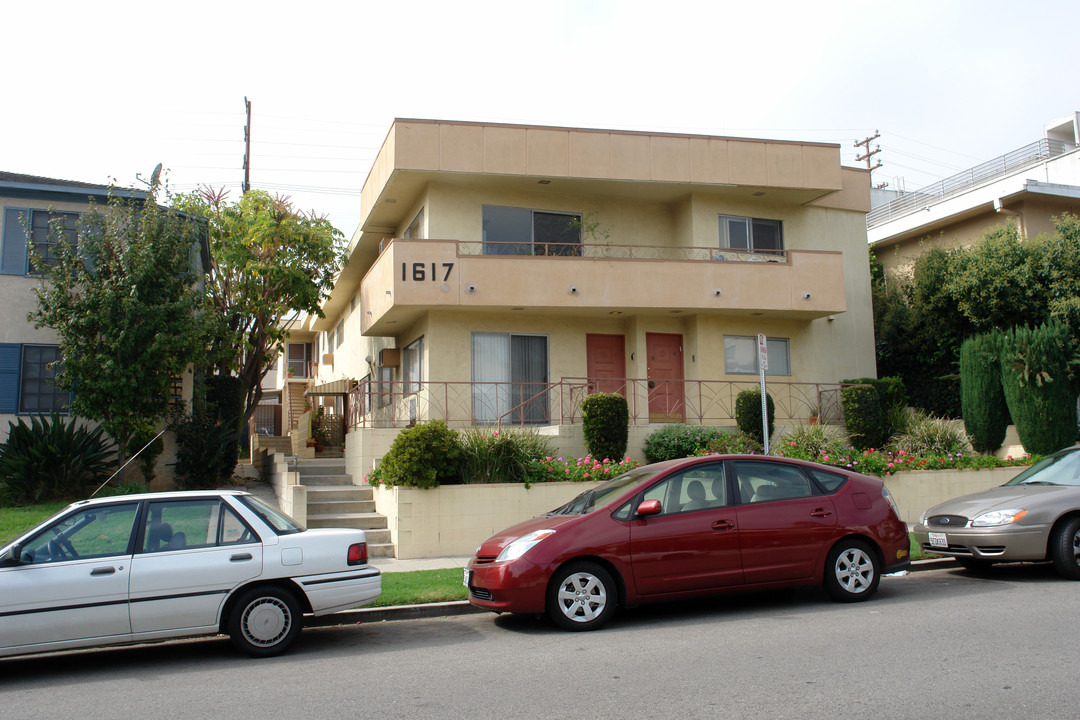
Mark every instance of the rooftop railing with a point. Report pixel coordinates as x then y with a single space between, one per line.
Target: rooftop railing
921 199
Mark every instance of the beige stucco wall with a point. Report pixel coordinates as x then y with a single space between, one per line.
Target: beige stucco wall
453 520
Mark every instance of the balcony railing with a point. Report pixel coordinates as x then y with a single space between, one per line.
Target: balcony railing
608 251
962 182
464 404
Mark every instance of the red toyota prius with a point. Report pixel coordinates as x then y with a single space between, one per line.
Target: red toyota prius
689 527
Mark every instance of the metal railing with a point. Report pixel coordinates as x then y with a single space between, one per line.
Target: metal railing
908 203
609 251
464 404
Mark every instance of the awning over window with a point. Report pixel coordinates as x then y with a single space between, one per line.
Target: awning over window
335 387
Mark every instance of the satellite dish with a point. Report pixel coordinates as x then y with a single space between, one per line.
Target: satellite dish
155 175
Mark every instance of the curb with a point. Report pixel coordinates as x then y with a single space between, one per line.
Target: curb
462 607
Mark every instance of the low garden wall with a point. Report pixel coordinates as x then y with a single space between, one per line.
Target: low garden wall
454 519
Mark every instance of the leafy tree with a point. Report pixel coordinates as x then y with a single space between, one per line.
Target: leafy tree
123 303
982 398
269 262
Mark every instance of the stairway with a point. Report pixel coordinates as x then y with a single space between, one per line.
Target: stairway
333 501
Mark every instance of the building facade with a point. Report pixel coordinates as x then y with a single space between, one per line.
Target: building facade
1026 187
502 272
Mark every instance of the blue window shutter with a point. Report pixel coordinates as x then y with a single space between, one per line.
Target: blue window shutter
13 252
10 357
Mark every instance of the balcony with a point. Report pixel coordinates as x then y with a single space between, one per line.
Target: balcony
411 277
373 404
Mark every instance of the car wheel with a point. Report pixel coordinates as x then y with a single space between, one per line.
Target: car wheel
1065 549
581 596
852 571
265 621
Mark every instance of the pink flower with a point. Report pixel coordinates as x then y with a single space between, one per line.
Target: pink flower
586 474
826 458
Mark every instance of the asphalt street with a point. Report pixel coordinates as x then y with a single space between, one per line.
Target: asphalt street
937 643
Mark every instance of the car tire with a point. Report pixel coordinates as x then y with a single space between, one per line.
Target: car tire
1065 549
581 596
852 571
265 621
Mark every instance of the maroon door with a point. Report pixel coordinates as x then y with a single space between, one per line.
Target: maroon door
606 363
665 377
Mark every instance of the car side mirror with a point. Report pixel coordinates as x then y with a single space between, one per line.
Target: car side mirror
649 507
11 556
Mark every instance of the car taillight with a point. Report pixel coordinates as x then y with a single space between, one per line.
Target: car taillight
358 554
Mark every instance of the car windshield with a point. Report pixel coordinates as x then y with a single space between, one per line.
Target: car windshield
1061 468
603 494
278 521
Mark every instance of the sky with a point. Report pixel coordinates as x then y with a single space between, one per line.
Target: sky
101 92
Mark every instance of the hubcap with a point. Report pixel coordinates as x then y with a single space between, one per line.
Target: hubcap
582 597
1076 547
854 570
266 621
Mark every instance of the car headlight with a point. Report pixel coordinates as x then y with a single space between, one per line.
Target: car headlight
522 545
922 518
999 517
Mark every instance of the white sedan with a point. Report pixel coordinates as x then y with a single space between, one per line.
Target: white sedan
135 568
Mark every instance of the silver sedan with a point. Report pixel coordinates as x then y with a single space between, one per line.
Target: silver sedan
1033 517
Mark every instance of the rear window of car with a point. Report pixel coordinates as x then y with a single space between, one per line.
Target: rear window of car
278 521
831 482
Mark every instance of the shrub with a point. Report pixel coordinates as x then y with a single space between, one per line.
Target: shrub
748 413
892 396
425 455
982 397
733 444
51 459
677 441
811 442
1035 367
863 416
225 398
202 449
499 456
146 461
929 435
605 420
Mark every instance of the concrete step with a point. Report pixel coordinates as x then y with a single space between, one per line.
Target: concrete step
318 506
383 550
327 479
320 467
359 520
325 493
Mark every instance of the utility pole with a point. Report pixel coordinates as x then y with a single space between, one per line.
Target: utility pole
247 146
869 153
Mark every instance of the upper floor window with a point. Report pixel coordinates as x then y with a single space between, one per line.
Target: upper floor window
416 227
412 366
298 359
47 231
340 336
741 355
743 233
521 231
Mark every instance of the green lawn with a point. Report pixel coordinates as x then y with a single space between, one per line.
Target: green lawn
16 520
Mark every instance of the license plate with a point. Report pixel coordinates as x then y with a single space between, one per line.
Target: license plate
938 540
467 580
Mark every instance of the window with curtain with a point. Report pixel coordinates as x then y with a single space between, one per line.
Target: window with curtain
743 233
741 355
510 378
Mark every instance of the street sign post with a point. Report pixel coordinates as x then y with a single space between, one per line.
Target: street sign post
763 365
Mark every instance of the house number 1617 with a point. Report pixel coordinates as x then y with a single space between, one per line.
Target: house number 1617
420 271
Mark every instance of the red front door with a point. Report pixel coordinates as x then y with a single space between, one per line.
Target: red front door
606 363
665 377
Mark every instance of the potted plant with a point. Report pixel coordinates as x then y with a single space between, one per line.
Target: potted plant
814 415
289 371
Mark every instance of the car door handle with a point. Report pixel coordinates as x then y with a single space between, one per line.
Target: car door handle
820 513
240 557
102 571
723 525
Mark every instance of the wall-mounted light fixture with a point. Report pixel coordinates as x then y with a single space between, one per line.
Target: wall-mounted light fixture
716 292
471 289
573 290
631 356
806 296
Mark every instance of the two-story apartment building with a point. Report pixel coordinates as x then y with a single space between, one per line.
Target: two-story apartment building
502 272
27 354
1026 187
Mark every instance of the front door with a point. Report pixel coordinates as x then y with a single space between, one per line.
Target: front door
606 363
665 377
